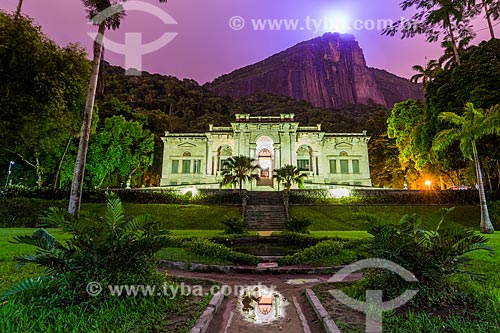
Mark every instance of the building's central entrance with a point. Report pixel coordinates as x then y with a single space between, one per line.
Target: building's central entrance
265 156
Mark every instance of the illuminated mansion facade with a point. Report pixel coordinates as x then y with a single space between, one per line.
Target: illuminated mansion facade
273 141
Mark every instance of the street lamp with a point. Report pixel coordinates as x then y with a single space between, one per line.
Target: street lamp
428 183
11 163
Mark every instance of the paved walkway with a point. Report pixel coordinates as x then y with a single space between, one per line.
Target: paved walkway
299 316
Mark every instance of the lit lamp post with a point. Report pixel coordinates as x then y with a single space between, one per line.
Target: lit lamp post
11 163
428 183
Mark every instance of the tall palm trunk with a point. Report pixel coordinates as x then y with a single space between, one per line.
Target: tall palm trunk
488 18
18 9
78 176
486 227
453 41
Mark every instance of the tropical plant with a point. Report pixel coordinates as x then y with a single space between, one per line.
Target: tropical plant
110 248
430 255
238 170
491 9
425 74
469 128
448 60
107 14
298 224
434 18
235 226
289 175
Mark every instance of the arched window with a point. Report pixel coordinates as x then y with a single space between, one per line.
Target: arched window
186 154
344 153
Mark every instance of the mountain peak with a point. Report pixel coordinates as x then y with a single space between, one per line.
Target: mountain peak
327 71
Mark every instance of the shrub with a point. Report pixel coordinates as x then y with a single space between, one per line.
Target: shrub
204 247
25 212
111 249
235 226
430 255
298 224
327 252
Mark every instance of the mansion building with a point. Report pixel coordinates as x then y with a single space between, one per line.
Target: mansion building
273 141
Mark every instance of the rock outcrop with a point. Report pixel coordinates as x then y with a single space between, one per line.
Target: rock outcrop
329 72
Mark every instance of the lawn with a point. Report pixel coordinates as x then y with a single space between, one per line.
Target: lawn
343 218
179 217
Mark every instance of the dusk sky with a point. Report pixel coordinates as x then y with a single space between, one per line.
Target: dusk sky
207 46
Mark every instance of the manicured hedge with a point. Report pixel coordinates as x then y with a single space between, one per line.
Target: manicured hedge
385 197
140 196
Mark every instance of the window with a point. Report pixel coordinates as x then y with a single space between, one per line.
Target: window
303 165
355 166
197 166
224 164
186 154
344 166
175 166
333 166
186 166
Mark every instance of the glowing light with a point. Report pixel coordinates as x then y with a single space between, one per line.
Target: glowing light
428 183
340 193
337 22
193 190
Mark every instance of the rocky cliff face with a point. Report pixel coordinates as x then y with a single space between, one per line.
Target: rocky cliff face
329 71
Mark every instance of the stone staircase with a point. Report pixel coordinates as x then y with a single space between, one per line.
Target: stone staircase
265 211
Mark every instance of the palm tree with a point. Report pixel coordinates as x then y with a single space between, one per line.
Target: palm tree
474 124
490 7
426 74
111 20
434 18
238 170
447 60
289 175
446 14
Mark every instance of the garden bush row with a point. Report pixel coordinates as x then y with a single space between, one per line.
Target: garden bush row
387 197
146 196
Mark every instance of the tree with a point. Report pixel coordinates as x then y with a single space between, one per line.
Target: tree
120 147
474 124
96 10
401 125
448 60
239 170
289 175
435 18
491 9
425 74
41 94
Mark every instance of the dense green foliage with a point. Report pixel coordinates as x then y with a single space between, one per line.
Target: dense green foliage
235 226
430 255
42 92
112 249
325 253
297 224
206 248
